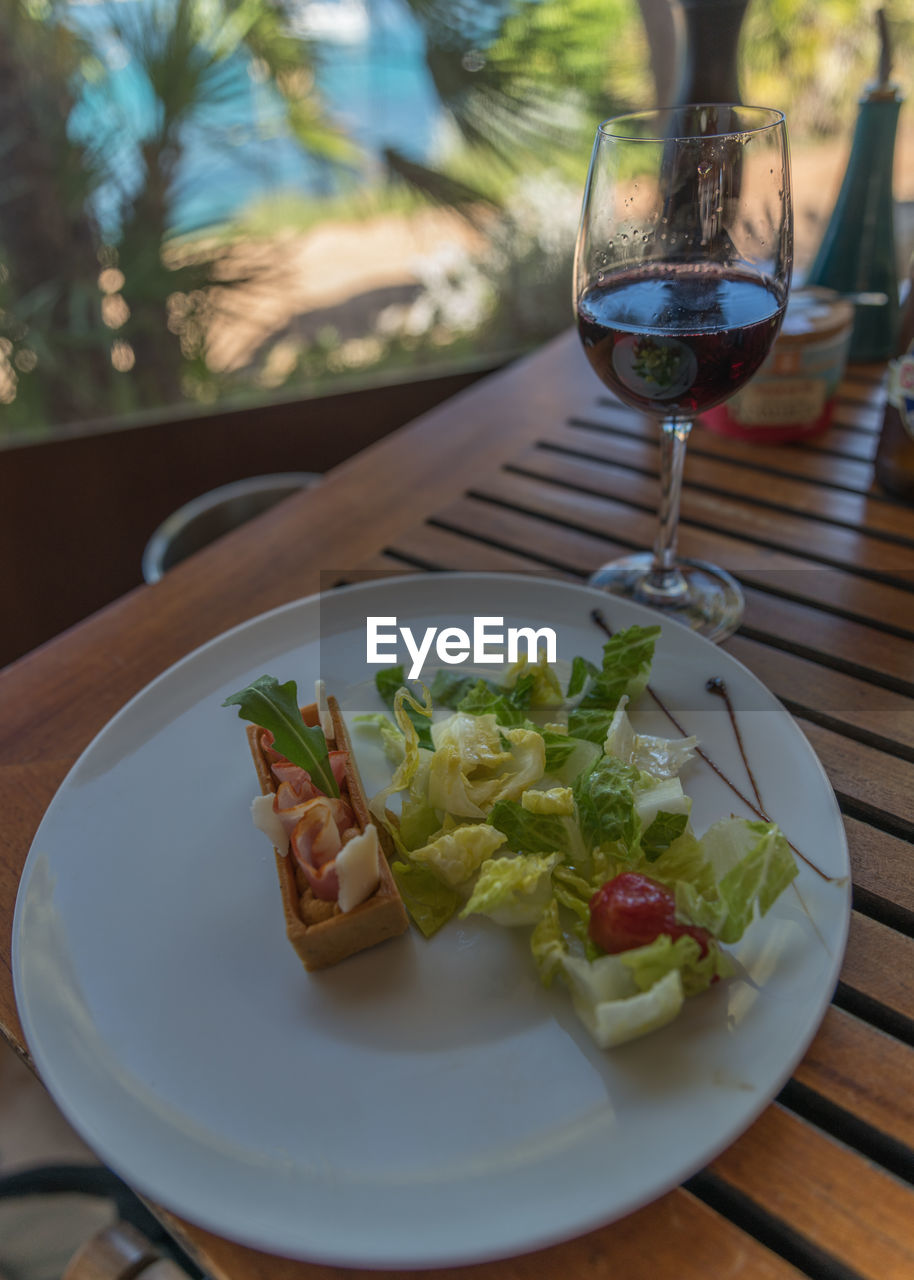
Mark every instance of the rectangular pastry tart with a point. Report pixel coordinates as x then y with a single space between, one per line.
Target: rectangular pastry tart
338 894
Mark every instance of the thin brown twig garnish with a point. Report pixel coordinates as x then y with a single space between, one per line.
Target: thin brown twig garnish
717 686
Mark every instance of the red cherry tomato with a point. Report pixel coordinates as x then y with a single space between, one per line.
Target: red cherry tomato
632 910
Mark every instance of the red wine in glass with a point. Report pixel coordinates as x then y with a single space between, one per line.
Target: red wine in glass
682 269
678 338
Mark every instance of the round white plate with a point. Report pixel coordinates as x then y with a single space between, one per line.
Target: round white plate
424 1102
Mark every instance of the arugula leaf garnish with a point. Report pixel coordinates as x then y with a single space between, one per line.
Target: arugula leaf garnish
274 706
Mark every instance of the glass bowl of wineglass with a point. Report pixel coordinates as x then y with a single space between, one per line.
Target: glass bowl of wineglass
681 275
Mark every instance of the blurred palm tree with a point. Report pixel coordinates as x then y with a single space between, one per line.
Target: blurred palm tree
523 83
197 64
103 311
50 306
86 288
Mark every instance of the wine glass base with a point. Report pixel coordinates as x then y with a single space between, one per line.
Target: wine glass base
708 601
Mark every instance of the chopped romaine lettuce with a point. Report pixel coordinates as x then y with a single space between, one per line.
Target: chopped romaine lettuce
649 964
388 682
652 796
508 706
625 670
548 944
391 737
475 739
554 800
513 891
566 807
751 863
662 832
476 764
419 821
605 800
567 757
543 688
527 832
449 786
448 687
405 708
582 670
455 856
430 903
662 757
611 1007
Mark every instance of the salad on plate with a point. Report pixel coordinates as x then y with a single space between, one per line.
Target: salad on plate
541 808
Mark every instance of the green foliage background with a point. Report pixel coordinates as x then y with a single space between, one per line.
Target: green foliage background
522 100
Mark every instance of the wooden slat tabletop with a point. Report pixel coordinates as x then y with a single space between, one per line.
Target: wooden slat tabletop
537 470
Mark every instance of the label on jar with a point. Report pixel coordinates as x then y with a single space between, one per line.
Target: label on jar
900 391
770 402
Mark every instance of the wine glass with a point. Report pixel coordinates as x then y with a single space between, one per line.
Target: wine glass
681 274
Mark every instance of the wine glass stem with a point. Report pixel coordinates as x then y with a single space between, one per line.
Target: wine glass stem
665 582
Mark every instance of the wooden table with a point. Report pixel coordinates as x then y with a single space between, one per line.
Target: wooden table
537 469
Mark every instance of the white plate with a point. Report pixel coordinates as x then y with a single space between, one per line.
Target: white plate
422 1103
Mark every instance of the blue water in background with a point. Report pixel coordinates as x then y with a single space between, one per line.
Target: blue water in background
378 90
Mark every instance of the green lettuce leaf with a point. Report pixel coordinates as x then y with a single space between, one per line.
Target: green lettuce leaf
476 764
554 800
542 688
662 832
449 788
622 997
388 682
590 723
581 672
509 706
474 738
626 666
566 757
625 669
455 856
662 757
274 706
684 861
513 891
429 902
547 944
419 822
391 737
605 801
529 832
609 1003
650 963
751 863
448 687
406 711
662 811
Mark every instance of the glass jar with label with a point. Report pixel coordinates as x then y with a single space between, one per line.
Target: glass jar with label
792 395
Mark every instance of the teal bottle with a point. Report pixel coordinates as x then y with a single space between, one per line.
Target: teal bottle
857 253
